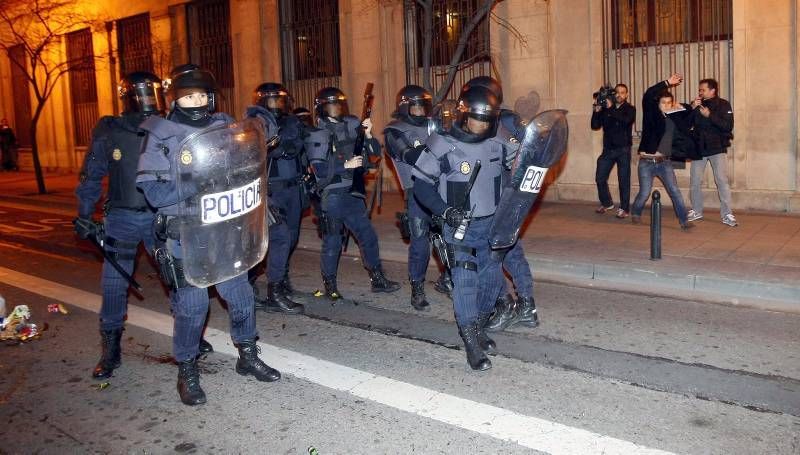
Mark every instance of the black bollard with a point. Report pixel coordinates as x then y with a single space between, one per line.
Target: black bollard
655 226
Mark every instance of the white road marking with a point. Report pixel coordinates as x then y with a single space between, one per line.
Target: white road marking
532 432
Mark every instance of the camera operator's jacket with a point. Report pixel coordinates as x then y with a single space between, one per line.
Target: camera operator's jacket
616 123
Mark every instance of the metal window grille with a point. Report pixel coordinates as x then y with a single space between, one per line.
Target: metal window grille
82 84
449 19
645 41
134 44
209 25
22 96
310 53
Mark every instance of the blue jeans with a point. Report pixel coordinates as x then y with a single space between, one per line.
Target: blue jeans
605 162
125 229
190 308
350 211
474 291
283 236
648 170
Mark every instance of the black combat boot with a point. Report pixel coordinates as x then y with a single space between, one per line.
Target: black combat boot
249 363
527 313
277 302
205 347
331 291
111 358
189 383
487 344
380 283
475 356
286 287
505 312
444 284
418 296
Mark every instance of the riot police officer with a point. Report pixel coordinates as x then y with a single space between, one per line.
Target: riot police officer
114 151
508 311
405 137
330 149
271 103
173 191
442 175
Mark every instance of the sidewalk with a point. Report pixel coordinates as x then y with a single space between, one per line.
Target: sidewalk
756 264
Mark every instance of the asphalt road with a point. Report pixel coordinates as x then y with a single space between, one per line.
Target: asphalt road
606 372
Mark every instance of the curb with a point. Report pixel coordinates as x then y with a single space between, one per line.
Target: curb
633 278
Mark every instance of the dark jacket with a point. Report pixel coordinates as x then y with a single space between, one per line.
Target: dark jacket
652 118
616 123
683 144
713 134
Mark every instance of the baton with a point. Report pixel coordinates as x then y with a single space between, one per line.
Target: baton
115 264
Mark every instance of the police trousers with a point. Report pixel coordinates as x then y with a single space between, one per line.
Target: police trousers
517 266
419 247
125 229
477 278
283 236
342 209
190 308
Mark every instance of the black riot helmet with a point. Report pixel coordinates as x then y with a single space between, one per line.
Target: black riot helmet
187 79
486 82
275 94
141 93
304 115
413 95
477 103
328 96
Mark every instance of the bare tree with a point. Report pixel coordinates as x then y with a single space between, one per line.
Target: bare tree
456 60
38 26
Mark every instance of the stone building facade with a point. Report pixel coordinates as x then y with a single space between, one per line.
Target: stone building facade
562 50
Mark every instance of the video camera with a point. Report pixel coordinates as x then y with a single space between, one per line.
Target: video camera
605 92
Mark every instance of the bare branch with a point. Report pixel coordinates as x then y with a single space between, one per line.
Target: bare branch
514 31
452 67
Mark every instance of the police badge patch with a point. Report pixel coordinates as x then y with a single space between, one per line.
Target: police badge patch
186 157
116 154
465 167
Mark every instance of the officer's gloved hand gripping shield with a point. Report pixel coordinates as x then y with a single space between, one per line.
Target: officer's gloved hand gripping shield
223 212
544 144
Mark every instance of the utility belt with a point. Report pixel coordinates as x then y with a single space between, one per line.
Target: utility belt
165 227
447 253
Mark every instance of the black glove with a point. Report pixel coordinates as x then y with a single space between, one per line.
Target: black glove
85 228
453 216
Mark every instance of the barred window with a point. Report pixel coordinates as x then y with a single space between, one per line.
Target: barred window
646 41
209 25
450 17
134 44
310 52
645 22
82 84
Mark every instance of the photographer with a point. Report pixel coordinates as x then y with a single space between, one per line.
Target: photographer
615 116
712 118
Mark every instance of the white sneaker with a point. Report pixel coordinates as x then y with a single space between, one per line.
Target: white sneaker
730 220
691 215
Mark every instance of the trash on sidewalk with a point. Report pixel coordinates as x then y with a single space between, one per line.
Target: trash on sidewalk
57 308
2 311
313 450
17 326
101 386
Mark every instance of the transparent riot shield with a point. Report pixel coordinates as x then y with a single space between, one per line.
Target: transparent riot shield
544 144
222 218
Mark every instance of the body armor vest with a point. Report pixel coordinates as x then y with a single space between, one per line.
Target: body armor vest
124 144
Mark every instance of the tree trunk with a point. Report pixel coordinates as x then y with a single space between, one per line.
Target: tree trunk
37 165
